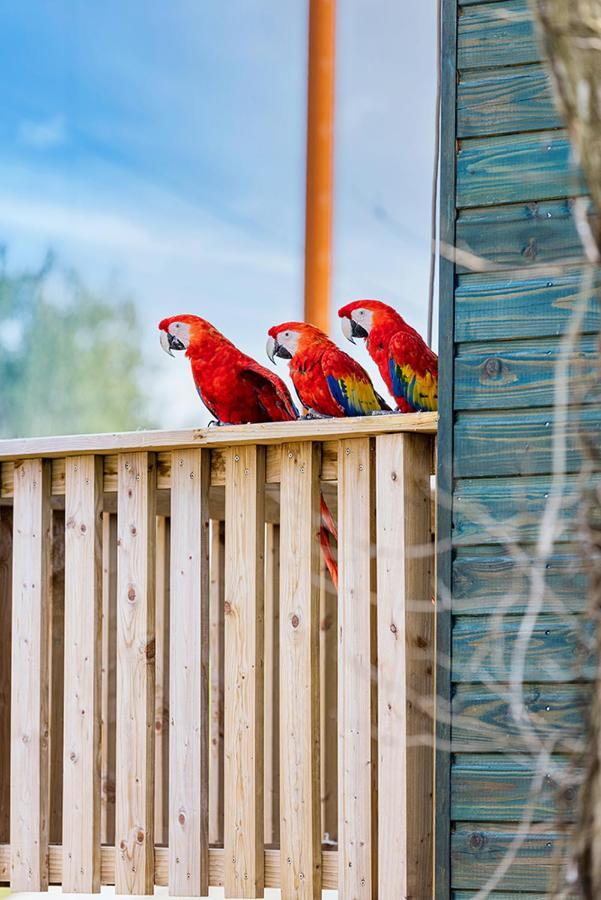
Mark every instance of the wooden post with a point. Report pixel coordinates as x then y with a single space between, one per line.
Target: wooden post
161 720
29 787
244 584
134 825
83 605
109 678
357 816
189 672
405 666
272 682
216 669
56 664
6 566
320 143
300 819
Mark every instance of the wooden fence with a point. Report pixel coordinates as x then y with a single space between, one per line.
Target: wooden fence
184 700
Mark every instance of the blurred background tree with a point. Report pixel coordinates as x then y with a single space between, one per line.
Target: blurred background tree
70 359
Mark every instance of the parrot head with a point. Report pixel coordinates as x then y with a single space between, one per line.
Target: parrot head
286 339
360 316
182 332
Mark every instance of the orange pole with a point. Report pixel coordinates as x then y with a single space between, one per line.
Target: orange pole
320 162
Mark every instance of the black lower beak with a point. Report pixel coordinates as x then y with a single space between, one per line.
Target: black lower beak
357 330
175 343
281 351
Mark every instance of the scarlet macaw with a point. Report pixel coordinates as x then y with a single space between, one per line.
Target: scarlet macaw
237 390
406 363
328 381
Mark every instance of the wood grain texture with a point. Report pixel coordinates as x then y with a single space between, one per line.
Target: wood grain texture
505 101
405 642
519 374
31 586
271 731
134 824
243 741
57 676
483 722
560 649
109 678
82 711
496 34
328 675
216 674
520 304
537 166
189 672
300 825
476 849
329 865
6 569
227 436
161 687
500 443
506 510
502 788
357 753
521 236
486 579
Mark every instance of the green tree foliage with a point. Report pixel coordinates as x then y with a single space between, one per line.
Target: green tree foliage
70 360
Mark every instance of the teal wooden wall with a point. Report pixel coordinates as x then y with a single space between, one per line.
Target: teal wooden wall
508 185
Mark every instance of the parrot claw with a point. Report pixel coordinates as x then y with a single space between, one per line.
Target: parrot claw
311 414
214 423
383 412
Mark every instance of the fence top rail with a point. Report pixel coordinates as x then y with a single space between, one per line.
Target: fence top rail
227 435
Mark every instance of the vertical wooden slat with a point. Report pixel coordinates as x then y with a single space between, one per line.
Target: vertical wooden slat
134 812
328 678
300 819
83 606
6 555
243 740
189 670
272 682
57 676
109 678
356 654
161 722
216 670
29 789
405 666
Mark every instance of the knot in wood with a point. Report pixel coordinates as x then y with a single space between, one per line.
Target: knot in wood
492 367
477 841
227 607
131 594
295 621
181 818
140 837
149 649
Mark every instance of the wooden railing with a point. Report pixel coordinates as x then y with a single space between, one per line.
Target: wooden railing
184 700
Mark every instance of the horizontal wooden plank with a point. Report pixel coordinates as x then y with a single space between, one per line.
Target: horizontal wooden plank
328 472
519 374
486 579
483 721
477 849
329 866
505 101
501 443
496 34
559 649
502 788
537 166
226 436
505 510
521 304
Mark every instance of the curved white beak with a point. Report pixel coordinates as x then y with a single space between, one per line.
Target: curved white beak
165 344
270 348
347 329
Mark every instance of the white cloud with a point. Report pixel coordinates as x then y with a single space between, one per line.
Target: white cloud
43 134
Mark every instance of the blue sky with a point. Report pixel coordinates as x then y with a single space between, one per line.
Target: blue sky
161 145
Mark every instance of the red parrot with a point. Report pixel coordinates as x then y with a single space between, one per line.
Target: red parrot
328 381
237 390
406 363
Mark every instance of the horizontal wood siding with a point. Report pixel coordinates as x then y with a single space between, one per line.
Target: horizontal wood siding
518 281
